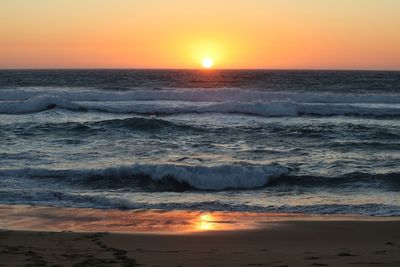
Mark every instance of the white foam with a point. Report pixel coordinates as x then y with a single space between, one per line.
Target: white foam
214 178
258 108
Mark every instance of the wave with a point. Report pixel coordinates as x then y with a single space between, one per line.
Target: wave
387 181
37 104
142 124
257 108
175 177
163 176
196 95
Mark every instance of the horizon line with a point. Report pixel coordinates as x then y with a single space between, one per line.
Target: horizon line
200 69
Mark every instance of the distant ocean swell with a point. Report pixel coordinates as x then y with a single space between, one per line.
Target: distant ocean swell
132 123
374 136
169 102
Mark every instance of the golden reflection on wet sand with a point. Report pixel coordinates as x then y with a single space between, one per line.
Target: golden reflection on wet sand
74 219
19 217
205 222
214 222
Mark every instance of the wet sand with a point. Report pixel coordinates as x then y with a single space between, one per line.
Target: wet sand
258 239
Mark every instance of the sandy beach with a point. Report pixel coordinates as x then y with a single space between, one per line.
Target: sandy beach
178 239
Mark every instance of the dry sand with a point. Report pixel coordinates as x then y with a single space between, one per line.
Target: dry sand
278 240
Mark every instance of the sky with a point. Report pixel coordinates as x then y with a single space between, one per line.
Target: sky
238 34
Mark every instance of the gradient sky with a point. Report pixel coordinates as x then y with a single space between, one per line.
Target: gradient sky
305 34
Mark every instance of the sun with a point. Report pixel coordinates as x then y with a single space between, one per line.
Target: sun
207 62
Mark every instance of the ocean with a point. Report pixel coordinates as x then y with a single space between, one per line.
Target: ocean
319 142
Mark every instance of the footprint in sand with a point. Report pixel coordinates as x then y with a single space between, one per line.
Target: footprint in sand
344 254
366 263
311 258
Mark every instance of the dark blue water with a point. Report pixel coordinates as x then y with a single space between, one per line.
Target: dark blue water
287 141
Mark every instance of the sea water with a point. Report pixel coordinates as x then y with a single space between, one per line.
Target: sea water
325 142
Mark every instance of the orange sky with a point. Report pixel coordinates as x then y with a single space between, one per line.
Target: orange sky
316 34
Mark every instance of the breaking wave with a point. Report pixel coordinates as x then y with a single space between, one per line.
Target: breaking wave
164 176
171 177
169 102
